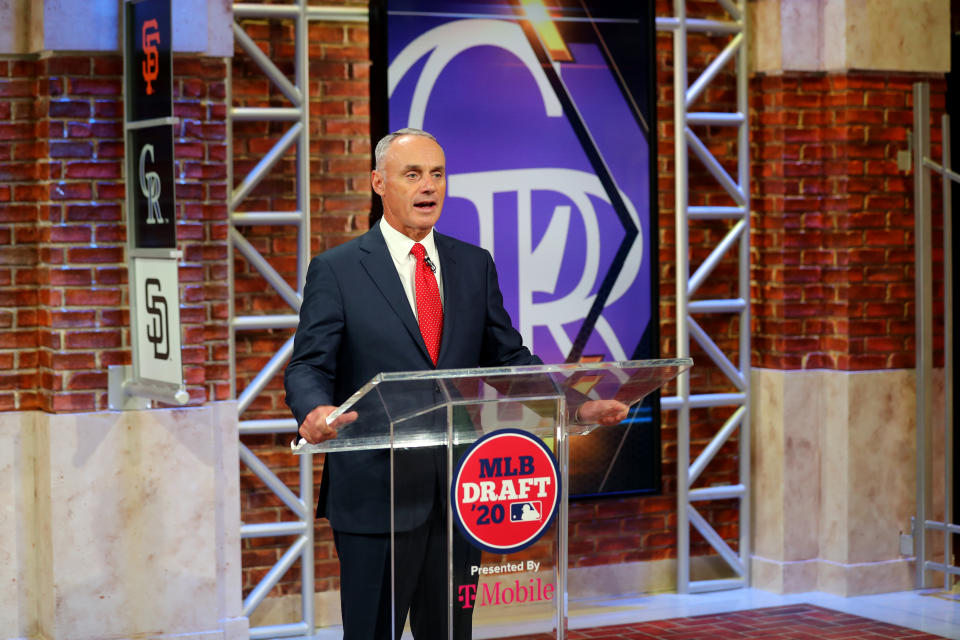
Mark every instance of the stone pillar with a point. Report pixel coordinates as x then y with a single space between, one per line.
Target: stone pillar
34 26
834 480
121 524
833 403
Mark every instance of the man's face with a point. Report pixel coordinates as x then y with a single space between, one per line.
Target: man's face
412 184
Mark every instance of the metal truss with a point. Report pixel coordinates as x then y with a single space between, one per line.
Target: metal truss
923 167
300 526
737 239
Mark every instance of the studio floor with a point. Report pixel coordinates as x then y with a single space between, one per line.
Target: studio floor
921 614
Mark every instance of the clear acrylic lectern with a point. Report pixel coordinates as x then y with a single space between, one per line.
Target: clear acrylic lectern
496 441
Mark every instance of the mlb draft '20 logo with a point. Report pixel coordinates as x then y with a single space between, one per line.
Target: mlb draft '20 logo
505 491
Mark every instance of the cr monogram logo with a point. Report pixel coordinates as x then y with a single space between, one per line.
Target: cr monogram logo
150 66
150 187
565 229
158 331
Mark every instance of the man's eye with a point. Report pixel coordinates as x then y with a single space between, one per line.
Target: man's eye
411 176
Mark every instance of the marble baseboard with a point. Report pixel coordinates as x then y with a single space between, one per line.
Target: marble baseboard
655 576
867 578
830 577
783 577
229 629
287 609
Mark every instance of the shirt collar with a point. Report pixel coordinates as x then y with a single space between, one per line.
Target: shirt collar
400 245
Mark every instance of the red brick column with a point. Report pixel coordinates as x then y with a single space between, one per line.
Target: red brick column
21 168
833 221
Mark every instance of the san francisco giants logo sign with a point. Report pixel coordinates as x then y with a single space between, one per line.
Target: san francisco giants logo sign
150 66
505 491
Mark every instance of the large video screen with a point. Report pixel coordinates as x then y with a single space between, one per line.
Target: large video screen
545 111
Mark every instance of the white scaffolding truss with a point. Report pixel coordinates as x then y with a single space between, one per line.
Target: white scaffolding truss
298 136
300 527
686 95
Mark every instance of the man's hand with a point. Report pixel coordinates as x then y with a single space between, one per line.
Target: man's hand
603 412
315 428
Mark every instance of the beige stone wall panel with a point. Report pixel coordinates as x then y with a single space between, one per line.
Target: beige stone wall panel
844 445
125 524
845 35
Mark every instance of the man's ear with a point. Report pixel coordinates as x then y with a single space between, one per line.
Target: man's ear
376 180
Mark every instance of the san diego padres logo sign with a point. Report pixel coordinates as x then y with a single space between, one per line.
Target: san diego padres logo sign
505 491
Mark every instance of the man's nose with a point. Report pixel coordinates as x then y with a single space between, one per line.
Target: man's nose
428 184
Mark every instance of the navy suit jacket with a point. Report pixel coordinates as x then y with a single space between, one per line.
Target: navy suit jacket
356 322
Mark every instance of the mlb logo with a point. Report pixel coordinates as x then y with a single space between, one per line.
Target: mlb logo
526 511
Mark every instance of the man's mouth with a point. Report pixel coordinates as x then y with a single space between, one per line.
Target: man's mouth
426 204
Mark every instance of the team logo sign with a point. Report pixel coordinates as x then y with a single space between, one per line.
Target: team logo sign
505 491
158 329
150 66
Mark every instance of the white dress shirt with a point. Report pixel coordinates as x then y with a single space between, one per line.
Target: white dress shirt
399 247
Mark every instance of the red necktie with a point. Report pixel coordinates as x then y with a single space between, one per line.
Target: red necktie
429 309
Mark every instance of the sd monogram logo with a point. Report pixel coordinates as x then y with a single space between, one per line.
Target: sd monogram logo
158 331
150 66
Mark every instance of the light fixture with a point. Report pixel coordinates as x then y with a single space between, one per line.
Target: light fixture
536 12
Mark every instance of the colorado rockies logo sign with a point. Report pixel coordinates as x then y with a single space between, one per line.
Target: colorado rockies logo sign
505 491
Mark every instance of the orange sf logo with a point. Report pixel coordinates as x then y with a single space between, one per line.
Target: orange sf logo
151 67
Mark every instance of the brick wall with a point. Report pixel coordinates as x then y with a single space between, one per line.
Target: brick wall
22 147
64 273
833 216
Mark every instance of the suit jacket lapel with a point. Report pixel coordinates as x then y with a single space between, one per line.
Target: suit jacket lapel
379 266
452 306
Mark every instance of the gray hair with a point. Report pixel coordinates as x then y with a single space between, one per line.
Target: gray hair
381 151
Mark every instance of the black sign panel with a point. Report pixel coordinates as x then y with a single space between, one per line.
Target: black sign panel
150 179
149 61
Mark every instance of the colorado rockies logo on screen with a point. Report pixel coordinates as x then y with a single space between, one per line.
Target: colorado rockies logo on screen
505 491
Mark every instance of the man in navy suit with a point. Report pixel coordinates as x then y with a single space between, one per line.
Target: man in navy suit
359 317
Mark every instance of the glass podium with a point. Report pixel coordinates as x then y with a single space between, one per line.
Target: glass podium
489 448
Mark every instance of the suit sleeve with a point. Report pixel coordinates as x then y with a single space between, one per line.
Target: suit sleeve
502 344
309 376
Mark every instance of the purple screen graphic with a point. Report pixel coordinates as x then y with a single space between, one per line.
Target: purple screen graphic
521 182
550 157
